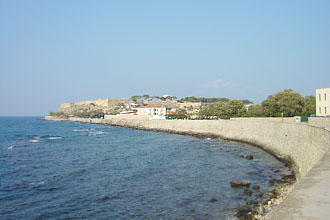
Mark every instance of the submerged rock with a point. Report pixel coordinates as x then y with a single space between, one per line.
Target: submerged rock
256 187
260 194
249 157
213 200
244 212
248 192
249 202
247 212
280 181
104 198
274 194
239 155
272 181
240 183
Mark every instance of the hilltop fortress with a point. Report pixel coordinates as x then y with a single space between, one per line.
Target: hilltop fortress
106 105
115 106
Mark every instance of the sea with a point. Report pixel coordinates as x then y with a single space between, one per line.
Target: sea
68 170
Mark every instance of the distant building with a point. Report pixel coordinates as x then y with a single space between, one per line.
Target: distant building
192 105
166 97
323 102
159 110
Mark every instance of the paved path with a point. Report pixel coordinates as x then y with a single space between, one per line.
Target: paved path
311 197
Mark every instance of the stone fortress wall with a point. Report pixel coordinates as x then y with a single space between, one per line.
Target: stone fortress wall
104 104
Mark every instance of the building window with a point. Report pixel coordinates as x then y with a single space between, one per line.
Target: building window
320 110
325 110
325 97
319 97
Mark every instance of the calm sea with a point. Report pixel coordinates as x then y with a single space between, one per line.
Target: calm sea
64 170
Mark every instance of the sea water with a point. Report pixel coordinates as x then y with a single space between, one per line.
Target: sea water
66 170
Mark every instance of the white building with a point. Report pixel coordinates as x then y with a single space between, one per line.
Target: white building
152 110
323 102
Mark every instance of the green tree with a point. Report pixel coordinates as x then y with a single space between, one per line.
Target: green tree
255 111
236 108
146 97
246 102
155 97
58 114
203 99
288 102
219 109
309 106
225 110
204 112
136 97
182 111
270 107
189 99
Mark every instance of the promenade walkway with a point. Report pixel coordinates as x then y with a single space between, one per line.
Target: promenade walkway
311 197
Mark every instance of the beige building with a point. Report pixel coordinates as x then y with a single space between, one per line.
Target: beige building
152 110
323 102
191 105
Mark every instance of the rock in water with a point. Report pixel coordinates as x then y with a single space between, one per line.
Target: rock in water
246 212
213 200
256 187
290 179
240 183
249 157
272 181
248 192
260 194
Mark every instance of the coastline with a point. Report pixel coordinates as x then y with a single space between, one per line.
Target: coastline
293 144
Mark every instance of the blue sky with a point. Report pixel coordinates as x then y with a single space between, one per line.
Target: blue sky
53 52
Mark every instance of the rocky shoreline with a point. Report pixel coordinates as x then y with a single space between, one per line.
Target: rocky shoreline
257 205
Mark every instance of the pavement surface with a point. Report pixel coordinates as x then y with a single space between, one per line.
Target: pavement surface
311 197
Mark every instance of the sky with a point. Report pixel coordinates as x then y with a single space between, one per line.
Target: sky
53 52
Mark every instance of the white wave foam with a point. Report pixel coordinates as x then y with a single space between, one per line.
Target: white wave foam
38 183
95 133
208 139
79 130
54 138
9 148
34 140
99 132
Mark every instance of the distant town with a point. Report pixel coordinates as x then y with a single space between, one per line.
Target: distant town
286 103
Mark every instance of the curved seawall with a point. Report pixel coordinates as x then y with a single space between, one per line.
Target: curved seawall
300 144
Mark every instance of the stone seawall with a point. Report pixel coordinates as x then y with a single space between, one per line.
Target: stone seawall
323 122
300 144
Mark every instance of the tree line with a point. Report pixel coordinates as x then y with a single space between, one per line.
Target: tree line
186 99
210 100
286 103
150 98
84 113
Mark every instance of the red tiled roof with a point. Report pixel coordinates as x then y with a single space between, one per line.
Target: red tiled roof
153 106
